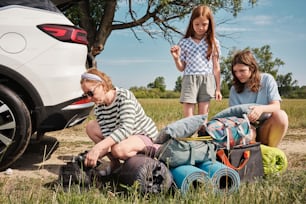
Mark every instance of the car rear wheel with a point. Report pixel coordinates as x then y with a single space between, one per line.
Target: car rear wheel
15 127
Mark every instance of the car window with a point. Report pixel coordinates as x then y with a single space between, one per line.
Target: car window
41 4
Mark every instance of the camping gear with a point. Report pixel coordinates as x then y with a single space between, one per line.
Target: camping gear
236 110
229 131
182 128
245 159
152 175
178 152
75 172
188 176
178 147
223 178
274 160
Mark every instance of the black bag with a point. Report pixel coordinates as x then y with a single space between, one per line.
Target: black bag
75 172
71 173
245 159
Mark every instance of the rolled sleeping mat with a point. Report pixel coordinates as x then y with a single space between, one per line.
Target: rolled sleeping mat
153 176
274 160
186 176
224 179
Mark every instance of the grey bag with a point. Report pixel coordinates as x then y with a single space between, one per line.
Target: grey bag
176 152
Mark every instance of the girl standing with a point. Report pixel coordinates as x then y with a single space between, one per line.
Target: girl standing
197 55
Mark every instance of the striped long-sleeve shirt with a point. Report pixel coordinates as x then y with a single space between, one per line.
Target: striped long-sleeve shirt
124 117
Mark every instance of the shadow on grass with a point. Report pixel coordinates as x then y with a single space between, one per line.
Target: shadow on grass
36 154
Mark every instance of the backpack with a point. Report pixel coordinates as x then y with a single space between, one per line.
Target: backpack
228 132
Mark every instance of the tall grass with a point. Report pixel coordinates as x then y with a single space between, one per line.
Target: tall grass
296 110
289 187
165 111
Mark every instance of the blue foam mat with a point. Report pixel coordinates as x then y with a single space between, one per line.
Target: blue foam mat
223 178
186 175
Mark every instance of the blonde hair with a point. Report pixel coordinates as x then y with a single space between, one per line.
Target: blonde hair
105 80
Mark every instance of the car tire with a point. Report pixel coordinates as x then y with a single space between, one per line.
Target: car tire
15 127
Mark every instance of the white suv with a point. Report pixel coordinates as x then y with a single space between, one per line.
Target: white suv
42 56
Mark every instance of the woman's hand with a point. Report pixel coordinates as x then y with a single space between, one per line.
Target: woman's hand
92 157
98 151
255 113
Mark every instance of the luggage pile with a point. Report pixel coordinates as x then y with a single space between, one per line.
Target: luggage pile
218 154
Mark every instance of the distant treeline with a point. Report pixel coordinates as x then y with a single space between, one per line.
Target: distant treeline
295 92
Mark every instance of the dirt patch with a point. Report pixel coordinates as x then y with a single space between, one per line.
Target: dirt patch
44 159
294 142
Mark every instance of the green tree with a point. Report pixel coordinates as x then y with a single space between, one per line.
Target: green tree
178 84
300 92
226 74
159 83
224 89
266 63
286 84
157 18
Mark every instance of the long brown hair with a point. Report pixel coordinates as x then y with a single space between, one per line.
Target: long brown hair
246 57
106 81
204 11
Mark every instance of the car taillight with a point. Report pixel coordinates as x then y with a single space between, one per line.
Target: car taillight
65 33
82 101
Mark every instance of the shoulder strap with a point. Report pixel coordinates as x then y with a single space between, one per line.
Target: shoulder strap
201 138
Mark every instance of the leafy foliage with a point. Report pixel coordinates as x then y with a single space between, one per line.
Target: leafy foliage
286 84
178 84
159 83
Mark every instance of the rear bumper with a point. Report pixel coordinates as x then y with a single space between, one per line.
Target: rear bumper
64 115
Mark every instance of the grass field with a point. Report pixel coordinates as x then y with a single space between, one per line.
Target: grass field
289 187
164 111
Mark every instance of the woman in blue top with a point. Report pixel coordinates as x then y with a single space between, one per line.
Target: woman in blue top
251 86
197 55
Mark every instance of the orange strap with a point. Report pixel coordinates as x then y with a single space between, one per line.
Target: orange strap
246 156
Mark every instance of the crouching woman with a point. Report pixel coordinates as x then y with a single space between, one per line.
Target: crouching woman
252 86
121 128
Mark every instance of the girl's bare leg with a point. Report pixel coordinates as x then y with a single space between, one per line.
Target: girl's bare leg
273 130
188 109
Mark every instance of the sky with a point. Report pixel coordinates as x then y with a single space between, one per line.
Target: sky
281 24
